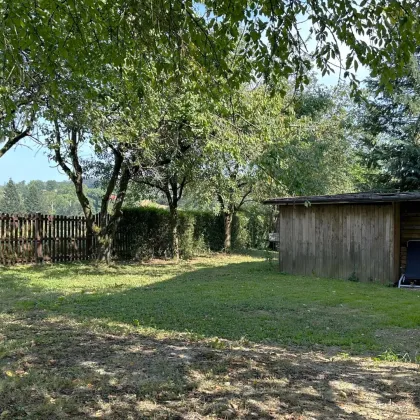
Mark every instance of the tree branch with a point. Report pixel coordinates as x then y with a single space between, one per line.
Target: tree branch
59 157
221 201
151 184
243 199
75 175
181 187
173 182
118 161
13 141
122 190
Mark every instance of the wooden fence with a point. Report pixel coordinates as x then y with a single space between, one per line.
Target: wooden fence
26 239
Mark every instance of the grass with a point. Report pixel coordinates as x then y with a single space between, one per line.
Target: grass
219 337
231 298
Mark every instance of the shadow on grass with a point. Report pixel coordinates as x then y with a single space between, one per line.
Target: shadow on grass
67 270
61 354
247 300
56 367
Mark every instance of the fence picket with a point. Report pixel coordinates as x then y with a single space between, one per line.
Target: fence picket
44 236
56 236
22 234
34 238
21 248
71 236
12 240
59 237
2 238
68 234
49 237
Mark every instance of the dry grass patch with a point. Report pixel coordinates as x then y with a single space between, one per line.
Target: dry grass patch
62 369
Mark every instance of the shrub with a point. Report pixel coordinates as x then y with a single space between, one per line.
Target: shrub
240 233
144 233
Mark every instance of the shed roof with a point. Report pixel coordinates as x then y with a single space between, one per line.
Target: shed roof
356 198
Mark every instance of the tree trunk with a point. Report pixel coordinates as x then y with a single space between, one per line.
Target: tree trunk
174 232
228 218
103 248
103 231
104 235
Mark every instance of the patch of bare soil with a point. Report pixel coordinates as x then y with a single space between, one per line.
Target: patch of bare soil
56 370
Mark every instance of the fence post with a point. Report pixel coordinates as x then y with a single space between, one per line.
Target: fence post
89 242
38 241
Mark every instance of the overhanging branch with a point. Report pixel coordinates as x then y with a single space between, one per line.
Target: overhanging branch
118 161
13 141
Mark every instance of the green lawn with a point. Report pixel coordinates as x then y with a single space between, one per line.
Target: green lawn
232 298
66 328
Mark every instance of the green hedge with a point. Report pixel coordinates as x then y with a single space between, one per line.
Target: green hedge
250 230
144 232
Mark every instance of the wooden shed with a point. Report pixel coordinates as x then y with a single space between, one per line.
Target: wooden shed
362 236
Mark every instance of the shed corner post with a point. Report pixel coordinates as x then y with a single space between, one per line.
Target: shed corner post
278 236
397 240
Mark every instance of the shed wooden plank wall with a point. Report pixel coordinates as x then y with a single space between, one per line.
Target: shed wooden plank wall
410 227
337 240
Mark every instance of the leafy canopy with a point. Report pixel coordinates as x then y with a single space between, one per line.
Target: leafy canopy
52 51
391 123
11 201
52 37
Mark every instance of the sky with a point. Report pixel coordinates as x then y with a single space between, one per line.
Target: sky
27 162
24 163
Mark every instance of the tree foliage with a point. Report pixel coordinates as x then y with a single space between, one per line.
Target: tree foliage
391 122
11 201
50 48
33 199
311 148
75 35
263 145
91 73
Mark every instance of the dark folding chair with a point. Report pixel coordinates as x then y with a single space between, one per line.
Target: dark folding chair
411 277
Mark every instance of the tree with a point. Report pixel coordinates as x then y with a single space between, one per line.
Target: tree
95 197
312 149
177 155
51 185
391 124
33 198
48 44
171 182
266 145
75 120
11 202
238 136
67 156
